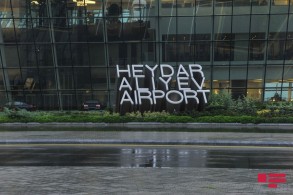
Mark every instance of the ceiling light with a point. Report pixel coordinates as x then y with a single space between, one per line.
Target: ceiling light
84 2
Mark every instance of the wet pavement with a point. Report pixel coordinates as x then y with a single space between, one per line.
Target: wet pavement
146 156
154 181
146 169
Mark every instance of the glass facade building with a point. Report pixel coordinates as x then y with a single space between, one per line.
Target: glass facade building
58 53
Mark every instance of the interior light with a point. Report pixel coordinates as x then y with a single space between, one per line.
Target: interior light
84 2
35 2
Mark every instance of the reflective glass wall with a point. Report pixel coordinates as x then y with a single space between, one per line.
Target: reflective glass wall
58 53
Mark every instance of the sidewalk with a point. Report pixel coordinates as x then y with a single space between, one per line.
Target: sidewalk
146 137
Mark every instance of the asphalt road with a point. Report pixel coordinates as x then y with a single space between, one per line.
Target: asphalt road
146 156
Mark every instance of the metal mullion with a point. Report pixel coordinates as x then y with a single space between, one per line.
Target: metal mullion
16 42
4 68
106 54
248 46
231 33
71 59
54 53
88 52
212 46
284 53
194 33
36 55
266 51
176 32
158 36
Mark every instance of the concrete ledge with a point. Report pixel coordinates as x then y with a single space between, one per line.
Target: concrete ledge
155 125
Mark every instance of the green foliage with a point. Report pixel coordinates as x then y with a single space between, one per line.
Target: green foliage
223 104
223 100
221 109
246 105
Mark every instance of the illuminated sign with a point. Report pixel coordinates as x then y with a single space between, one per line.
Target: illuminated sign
189 84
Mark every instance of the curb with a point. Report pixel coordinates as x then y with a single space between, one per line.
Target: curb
150 142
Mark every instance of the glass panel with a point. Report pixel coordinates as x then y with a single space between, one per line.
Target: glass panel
50 101
66 77
255 82
69 100
280 2
47 79
97 54
16 82
221 73
102 96
35 79
259 23
34 99
204 3
272 91
242 7
203 25
83 78
256 73
222 24
186 25
224 47
254 90
18 7
31 34
220 80
238 73
241 3
290 24
274 73
238 82
288 73
1 81
278 23
241 24
113 79
186 48
82 96
223 3
35 55
64 54
280 6
8 31
80 54
99 78
11 56
288 79
168 25
240 50
223 7
257 45
276 50
260 6
3 98
289 49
